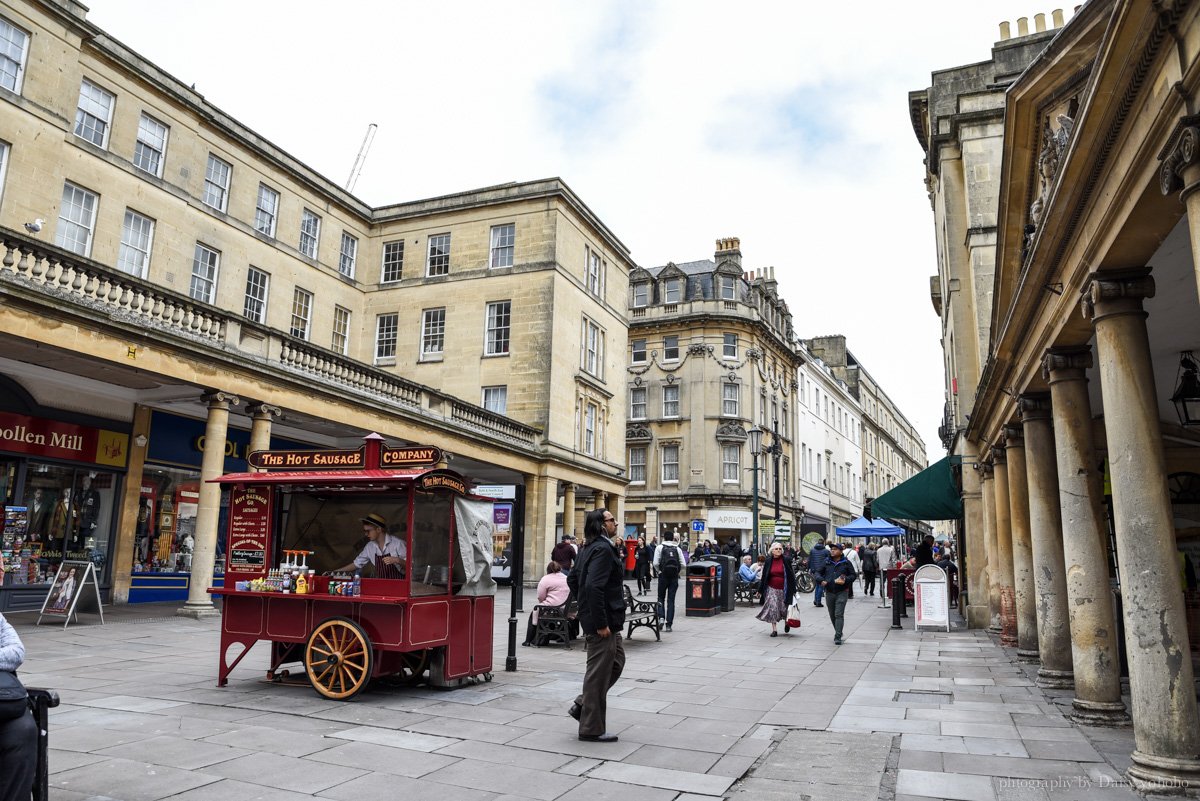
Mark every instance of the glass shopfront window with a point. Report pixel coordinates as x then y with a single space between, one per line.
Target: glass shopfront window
65 512
164 536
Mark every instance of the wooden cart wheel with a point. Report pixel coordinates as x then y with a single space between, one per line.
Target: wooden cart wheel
412 666
338 658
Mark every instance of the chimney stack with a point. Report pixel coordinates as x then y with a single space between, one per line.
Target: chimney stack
1056 16
1022 26
729 249
1005 31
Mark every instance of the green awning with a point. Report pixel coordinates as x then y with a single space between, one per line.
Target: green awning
931 494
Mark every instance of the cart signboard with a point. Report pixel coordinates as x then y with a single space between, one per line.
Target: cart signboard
249 523
306 460
931 597
408 457
75 589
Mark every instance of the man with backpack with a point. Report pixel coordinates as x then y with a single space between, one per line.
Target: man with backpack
668 561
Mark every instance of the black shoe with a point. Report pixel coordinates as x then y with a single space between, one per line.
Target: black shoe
837 640
786 628
819 605
774 633
527 644
575 711
599 738
668 627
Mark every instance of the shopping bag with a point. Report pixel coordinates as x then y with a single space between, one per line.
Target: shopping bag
793 615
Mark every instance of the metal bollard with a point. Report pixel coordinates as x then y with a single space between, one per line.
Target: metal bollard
897 601
898 596
40 702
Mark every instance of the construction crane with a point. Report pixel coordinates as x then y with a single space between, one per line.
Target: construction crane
362 156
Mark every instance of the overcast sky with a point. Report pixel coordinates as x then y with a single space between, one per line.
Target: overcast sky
782 123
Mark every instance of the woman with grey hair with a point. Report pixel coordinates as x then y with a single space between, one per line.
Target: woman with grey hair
18 734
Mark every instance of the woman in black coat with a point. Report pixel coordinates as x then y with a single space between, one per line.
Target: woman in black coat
641 568
778 585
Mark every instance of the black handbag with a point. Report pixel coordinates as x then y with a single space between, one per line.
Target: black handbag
14 698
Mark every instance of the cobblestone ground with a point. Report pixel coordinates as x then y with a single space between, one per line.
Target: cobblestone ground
716 709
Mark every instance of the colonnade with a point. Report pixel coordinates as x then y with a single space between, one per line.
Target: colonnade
1046 538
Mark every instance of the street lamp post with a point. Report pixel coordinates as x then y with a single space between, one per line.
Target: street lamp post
776 450
756 434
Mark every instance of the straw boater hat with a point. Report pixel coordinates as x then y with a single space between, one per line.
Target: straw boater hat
375 520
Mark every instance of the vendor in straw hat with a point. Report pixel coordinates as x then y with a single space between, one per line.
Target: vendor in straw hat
387 553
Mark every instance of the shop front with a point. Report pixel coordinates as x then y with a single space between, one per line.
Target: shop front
723 523
164 535
60 486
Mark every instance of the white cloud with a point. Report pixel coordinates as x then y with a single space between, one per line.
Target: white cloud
785 124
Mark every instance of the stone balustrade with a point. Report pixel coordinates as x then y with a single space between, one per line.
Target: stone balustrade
68 280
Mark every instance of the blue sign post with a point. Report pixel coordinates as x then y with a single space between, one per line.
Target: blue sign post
698 526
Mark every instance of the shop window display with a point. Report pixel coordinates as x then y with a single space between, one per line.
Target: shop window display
164 535
65 513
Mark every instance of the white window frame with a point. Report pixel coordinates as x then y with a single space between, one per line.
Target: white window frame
497 340
673 286
442 243
145 144
13 47
670 468
387 336
266 210
258 288
433 333
731 468
203 286
348 255
670 400
216 189
671 349
94 107
310 240
637 351
392 269
593 269
591 357
133 256
591 415
341 329
637 469
641 294
637 403
729 351
504 240
301 323
80 205
495 398
728 410
728 287
5 150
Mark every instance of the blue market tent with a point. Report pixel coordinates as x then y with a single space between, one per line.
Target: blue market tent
862 527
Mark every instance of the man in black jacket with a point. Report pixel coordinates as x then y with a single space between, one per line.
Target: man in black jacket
836 577
598 582
924 552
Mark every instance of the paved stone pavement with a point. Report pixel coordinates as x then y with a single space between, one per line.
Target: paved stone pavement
717 709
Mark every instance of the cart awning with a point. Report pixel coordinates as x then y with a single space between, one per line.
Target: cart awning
931 494
322 476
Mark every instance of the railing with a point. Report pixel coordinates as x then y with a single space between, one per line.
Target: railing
68 280
59 274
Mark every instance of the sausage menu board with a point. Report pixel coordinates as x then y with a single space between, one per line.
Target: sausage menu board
249 522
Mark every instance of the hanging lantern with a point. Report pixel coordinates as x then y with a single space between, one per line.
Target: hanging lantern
1187 391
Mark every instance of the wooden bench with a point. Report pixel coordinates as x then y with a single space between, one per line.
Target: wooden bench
641 613
554 623
745 591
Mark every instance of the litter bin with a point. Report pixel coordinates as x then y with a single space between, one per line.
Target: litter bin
701 600
726 573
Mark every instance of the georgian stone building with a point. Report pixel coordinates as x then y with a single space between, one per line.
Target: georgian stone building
1084 424
892 450
170 278
830 433
711 354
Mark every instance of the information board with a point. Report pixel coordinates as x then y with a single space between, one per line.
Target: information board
75 589
249 522
931 597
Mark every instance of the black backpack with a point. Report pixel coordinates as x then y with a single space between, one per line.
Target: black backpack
669 564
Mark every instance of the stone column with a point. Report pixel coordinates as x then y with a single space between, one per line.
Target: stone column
568 514
974 566
199 603
127 522
1045 526
1180 172
1096 661
1022 542
261 416
988 492
1166 720
1004 550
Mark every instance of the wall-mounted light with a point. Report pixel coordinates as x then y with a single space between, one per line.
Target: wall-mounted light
1187 390
140 440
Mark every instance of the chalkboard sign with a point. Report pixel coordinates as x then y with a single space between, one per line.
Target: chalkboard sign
931 597
75 589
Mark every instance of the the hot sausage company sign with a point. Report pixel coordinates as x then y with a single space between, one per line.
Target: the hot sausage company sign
307 460
407 457
249 522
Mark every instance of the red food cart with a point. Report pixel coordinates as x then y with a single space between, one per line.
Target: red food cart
309 507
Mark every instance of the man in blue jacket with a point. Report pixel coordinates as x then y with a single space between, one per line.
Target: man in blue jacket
817 558
836 577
